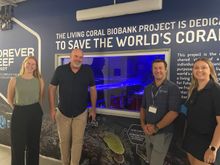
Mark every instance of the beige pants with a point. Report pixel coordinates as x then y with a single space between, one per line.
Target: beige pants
71 133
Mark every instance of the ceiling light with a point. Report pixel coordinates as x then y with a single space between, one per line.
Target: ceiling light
119 9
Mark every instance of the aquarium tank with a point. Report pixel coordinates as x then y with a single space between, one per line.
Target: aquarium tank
120 77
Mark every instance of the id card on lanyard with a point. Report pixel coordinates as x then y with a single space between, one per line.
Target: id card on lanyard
153 108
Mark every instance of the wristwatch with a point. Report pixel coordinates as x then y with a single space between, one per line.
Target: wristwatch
212 148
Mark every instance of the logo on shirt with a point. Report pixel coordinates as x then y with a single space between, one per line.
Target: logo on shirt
163 91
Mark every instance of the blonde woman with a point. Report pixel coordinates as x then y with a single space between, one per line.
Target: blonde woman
202 138
25 93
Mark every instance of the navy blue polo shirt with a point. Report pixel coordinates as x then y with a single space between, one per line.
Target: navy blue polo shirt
165 98
73 88
203 107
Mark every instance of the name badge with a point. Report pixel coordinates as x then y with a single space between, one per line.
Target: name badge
152 109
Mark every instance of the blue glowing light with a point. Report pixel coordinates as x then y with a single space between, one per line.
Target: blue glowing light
120 80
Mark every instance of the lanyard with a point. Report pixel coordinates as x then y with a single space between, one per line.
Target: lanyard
153 96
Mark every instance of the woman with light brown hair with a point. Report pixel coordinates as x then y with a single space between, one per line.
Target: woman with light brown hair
25 93
202 139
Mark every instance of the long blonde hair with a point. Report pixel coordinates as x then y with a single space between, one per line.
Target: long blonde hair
194 82
36 72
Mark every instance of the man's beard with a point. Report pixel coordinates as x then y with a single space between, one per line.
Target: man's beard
76 64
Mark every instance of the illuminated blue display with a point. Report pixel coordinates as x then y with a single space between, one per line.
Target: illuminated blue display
120 80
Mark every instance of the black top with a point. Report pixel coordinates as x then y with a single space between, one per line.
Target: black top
73 88
203 107
165 98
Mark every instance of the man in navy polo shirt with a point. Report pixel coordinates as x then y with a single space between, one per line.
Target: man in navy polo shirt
160 105
74 80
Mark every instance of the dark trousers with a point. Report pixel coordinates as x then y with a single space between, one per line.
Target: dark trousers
25 134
